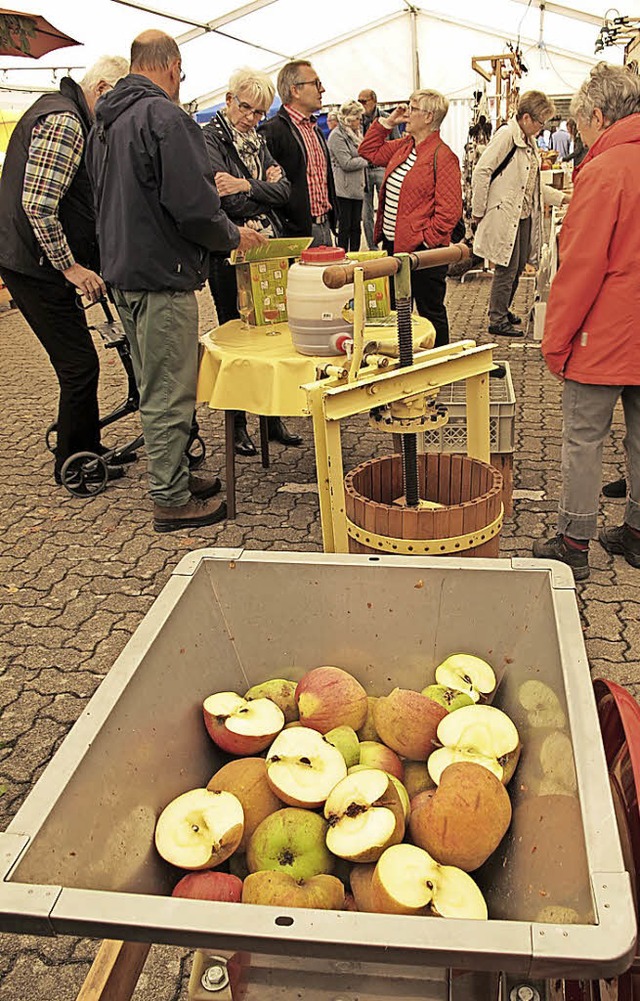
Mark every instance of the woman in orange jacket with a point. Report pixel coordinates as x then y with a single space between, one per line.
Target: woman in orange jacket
421 195
592 332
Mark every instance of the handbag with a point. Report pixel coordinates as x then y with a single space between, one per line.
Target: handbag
460 228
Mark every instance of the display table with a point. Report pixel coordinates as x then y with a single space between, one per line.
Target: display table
252 370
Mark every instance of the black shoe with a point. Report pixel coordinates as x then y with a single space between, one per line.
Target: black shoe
617 488
513 318
242 442
505 329
278 432
623 542
557 549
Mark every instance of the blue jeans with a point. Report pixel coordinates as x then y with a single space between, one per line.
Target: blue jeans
375 177
162 331
587 413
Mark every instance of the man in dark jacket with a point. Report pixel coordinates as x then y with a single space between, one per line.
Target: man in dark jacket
48 246
374 175
158 216
299 146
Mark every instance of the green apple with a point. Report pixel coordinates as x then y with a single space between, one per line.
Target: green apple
279 889
282 692
447 697
292 841
346 740
466 673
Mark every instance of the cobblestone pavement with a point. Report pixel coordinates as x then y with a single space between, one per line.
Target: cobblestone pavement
76 577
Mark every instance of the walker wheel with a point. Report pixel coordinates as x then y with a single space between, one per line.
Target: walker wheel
51 437
85 474
196 452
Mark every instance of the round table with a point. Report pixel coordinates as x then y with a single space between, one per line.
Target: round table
252 370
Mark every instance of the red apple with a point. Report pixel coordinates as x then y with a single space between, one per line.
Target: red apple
328 697
209 886
239 726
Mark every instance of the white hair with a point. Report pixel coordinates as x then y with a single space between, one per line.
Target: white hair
257 85
107 68
350 109
615 90
433 101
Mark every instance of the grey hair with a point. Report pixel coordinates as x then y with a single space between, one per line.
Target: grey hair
332 115
107 68
433 101
536 105
287 78
350 109
615 90
258 86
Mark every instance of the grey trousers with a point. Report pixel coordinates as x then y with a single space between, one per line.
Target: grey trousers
375 177
505 279
162 331
587 412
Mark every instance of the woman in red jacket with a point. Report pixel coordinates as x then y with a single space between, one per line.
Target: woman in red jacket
592 333
421 196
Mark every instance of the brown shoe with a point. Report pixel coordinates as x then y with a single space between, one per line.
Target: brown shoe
204 487
195 513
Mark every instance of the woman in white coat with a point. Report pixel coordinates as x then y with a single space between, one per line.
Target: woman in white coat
507 206
348 172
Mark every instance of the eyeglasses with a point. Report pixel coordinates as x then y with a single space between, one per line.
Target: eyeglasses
412 107
246 109
314 83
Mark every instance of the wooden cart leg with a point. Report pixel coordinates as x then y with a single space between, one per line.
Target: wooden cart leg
264 441
115 971
230 462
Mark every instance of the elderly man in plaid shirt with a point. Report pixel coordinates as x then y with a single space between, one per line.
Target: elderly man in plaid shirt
299 146
48 245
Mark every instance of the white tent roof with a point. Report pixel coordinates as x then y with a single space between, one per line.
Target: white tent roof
365 43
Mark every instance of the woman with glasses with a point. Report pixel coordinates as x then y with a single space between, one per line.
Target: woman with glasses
348 172
421 195
507 205
252 189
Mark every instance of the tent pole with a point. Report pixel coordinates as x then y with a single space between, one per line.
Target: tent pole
413 16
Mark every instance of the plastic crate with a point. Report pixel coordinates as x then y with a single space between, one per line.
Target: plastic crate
452 437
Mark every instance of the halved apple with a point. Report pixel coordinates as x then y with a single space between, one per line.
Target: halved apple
541 704
482 734
466 673
240 726
406 880
200 829
303 768
450 698
365 816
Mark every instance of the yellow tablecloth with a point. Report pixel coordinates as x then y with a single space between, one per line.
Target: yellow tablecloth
249 370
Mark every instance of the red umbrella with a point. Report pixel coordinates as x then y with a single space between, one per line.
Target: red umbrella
29 35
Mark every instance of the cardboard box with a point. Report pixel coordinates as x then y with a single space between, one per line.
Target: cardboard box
262 277
377 296
264 284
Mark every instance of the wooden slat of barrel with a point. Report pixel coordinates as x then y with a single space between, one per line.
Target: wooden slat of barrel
396 476
467 466
456 479
431 491
386 495
376 479
445 478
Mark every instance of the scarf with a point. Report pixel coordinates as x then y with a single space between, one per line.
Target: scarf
247 146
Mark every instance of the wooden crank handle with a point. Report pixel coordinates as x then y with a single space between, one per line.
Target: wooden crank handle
439 255
339 275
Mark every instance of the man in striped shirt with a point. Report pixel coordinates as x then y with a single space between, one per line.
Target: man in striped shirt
299 146
48 245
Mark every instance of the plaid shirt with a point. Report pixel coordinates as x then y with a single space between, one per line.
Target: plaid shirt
316 162
55 153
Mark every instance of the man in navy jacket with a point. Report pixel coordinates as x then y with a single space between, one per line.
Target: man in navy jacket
158 216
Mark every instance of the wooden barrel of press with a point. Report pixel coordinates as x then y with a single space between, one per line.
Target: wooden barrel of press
467 524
